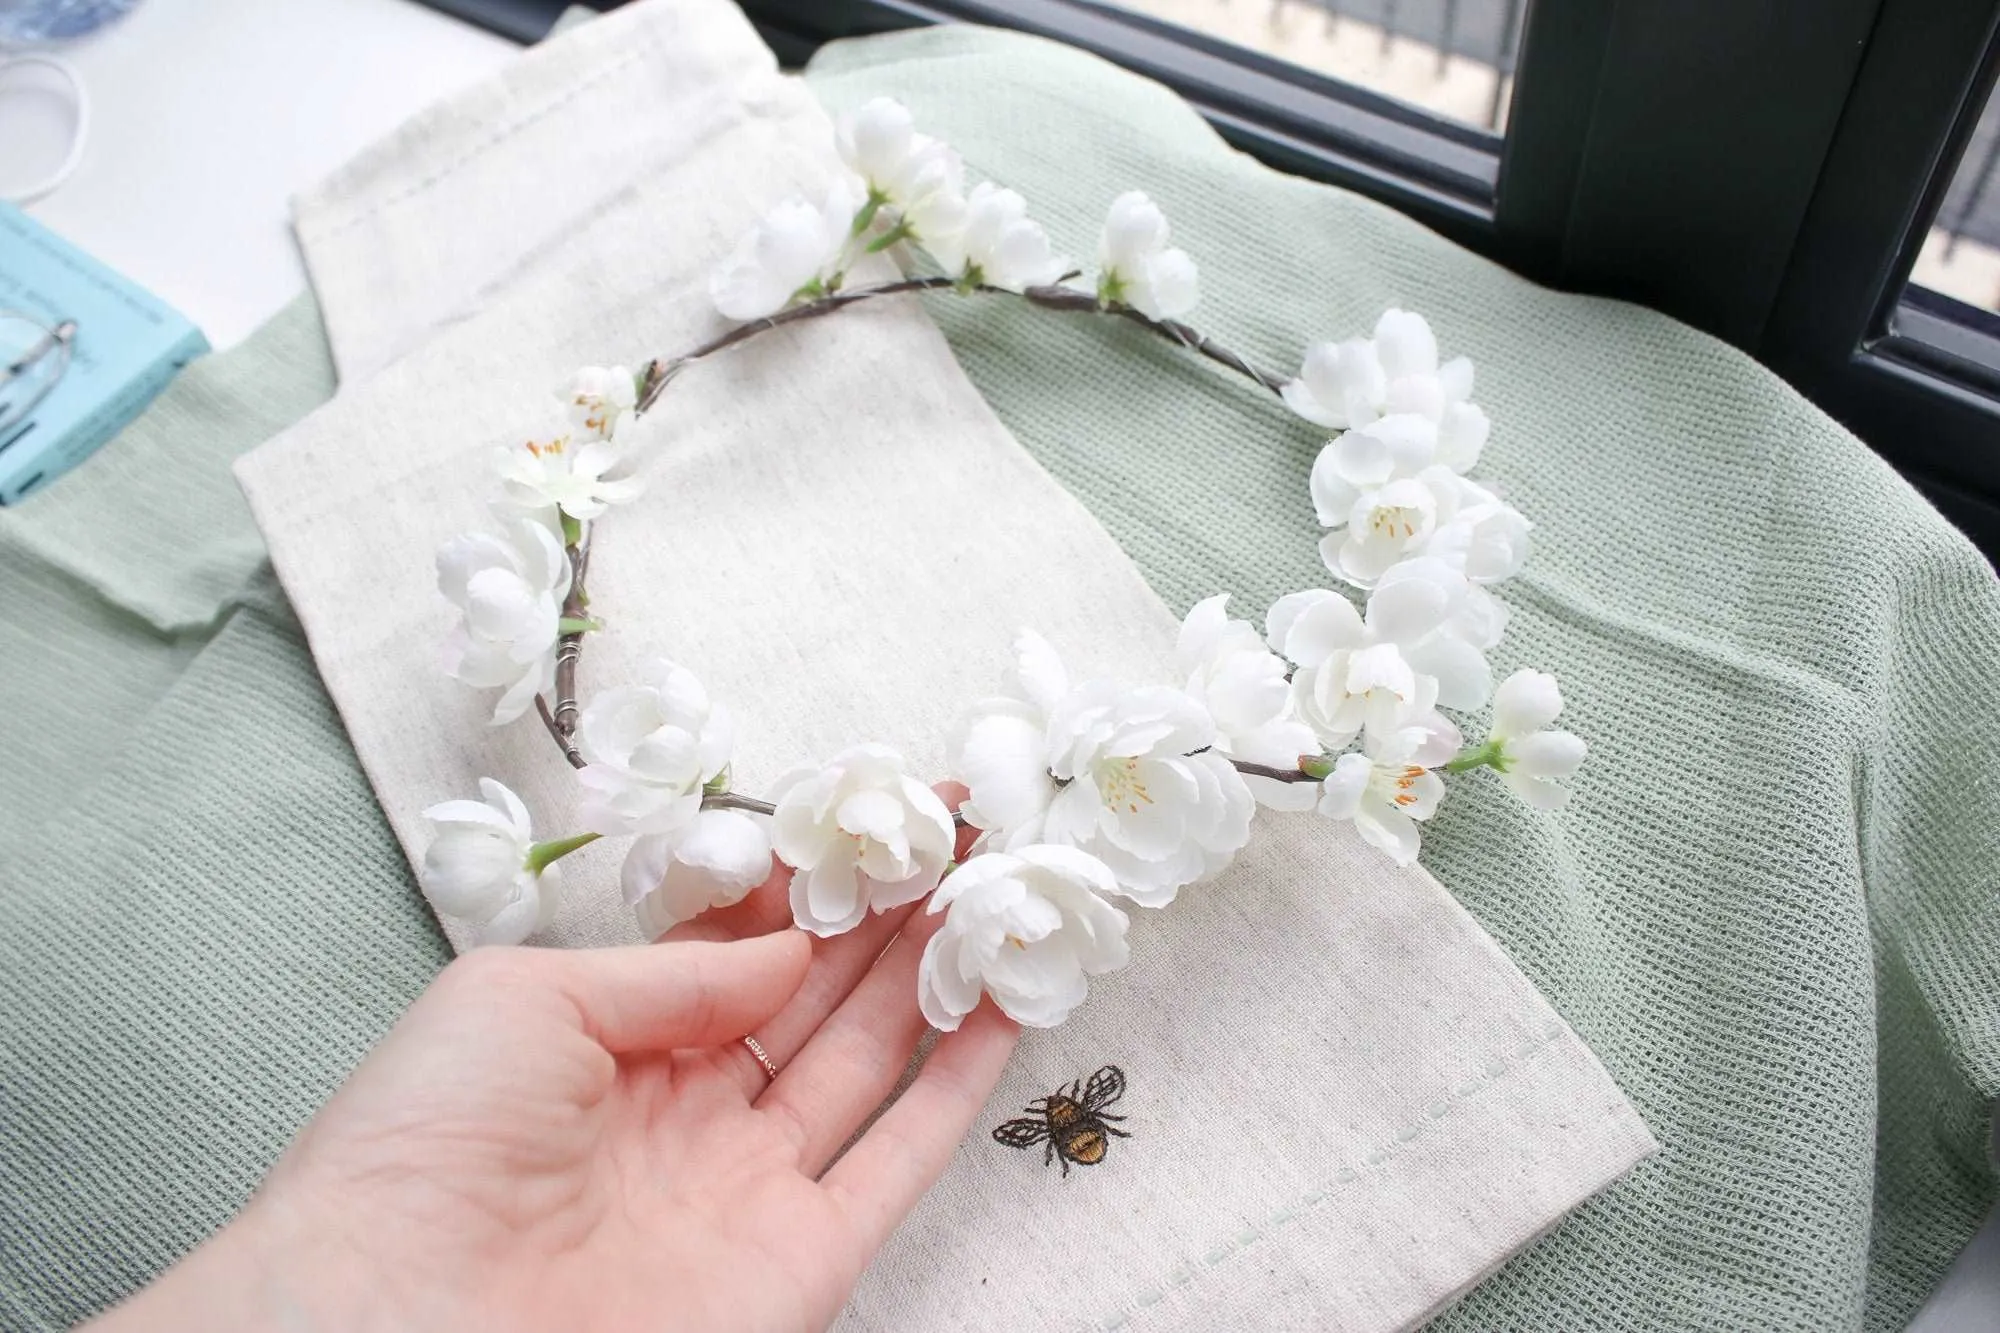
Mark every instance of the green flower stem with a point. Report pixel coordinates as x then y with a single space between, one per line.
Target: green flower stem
1489 755
578 625
544 854
865 219
900 232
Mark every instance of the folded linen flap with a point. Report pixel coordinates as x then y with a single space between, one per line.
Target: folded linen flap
1355 1108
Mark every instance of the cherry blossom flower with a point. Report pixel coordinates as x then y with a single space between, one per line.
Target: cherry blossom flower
1480 534
899 167
713 860
651 749
1357 382
1389 787
598 397
997 245
1532 759
862 834
480 867
1446 626
1382 672
1243 685
581 476
1129 775
1028 927
1137 267
509 588
1377 487
797 251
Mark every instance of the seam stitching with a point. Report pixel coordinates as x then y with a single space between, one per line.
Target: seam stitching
487 144
1378 1158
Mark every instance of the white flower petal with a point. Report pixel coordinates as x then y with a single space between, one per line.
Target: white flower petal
1462 436
1405 611
1405 343
1170 287
1464 680
1333 496
1547 754
475 866
1391 830
944 993
1526 701
1309 627
1298 396
1541 793
1037 675
523 915
827 898
1341 792
860 835
1028 929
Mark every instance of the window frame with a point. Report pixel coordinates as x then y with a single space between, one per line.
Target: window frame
1914 373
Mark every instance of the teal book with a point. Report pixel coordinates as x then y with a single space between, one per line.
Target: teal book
83 349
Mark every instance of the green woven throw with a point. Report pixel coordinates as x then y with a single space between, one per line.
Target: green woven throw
1765 908
204 921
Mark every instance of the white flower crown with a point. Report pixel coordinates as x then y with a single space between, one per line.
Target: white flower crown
1083 793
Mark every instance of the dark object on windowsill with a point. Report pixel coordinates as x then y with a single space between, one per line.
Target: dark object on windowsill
526 21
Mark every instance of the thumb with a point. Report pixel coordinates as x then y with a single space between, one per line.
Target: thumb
660 997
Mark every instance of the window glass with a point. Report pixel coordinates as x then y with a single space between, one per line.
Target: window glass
1960 257
1453 58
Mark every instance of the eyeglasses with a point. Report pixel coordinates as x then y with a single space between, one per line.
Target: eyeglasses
34 356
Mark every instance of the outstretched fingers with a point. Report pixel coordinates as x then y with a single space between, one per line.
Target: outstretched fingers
856 1057
662 997
906 1150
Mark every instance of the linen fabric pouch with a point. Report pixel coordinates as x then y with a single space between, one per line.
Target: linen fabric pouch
1345 1105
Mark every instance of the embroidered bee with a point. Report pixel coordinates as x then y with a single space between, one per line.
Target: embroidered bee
1073 1123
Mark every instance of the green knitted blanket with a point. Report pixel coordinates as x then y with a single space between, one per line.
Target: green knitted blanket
1771 908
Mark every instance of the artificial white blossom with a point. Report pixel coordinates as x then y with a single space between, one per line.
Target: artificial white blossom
1351 384
580 475
509 589
1137 267
478 868
1443 624
998 244
1480 534
900 168
1471 614
1389 788
797 250
651 748
1380 672
1531 758
713 860
1243 685
598 397
1028 927
1130 775
1387 500
1377 488
862 834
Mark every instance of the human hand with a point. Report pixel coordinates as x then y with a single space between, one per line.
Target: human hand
577 1139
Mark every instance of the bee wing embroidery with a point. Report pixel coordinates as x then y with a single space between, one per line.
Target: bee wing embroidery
1106 1086
1021 1133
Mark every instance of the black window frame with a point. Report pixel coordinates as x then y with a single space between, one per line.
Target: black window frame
1764 170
